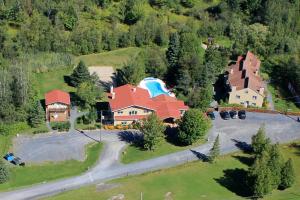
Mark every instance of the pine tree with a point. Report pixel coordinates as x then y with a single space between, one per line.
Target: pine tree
173 50
215 150
80 74
259 142
153 131
260 176
275 165
36 114
4 173
287 175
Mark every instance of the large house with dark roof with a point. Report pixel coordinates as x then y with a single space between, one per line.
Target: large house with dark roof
57 106
129 103
247 87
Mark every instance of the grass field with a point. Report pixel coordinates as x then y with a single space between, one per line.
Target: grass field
54 79
24 176
133 153
279 96
192 181
114 58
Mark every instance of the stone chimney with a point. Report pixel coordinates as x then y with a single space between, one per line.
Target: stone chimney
111 89
261 90
113 95
231 71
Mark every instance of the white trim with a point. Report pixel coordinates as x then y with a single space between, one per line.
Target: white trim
132 106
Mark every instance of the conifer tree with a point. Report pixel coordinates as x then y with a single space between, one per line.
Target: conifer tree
259 142
215 150
80 74
275 165
287 175
36 114
173 50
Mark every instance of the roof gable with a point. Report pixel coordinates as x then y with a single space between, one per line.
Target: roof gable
57 96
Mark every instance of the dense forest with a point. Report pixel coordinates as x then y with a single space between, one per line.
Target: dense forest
169 32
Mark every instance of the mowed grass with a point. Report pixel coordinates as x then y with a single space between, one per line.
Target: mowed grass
54 79
28 175
114 58
192 181
134 153
281 99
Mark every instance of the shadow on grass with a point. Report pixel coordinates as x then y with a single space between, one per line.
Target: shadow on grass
235 181
172 136
200 156
244 146
296 146
245 160
133 138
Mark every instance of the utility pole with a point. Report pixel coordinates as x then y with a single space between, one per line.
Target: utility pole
100 125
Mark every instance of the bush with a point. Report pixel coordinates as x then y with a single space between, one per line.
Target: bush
40 130
60 126
4 173
10 129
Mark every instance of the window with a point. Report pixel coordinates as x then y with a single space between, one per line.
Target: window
133 112
246 91
242 103
146 111
253 104
123 123
120 112
238 96
254 97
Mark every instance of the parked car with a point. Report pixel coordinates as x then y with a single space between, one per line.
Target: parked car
233 114
9 157
17 161
242 114
211 115
225 115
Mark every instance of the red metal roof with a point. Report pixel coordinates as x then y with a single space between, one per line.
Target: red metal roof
127 96
244 74
57 96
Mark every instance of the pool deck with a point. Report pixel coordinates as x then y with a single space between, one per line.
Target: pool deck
143 84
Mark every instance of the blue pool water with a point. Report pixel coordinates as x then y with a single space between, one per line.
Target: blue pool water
155 88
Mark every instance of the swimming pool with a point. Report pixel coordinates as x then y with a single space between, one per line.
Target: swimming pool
155 88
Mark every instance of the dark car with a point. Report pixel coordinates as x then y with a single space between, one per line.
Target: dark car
233 114
211 115
242 114
225 115
17 161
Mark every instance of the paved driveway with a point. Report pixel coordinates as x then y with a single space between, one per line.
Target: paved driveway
280 128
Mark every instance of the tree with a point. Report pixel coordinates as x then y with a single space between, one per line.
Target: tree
155 63
132 72
275 165
4 173
80 74
153 131
259 142
173 51
89 94
201 97
192 127
133 11
36 114
215 150
287 175
260 176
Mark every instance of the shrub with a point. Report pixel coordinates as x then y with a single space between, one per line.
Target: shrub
4 173
60 126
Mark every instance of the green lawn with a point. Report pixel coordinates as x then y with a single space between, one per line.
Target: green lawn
54 79
192 181
114 58
24 176
279 98
134 154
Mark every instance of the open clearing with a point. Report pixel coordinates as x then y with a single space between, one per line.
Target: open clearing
105 73
193 181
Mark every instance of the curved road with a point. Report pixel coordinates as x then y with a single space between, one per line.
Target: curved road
233 134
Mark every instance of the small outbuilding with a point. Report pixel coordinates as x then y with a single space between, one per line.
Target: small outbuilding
57 106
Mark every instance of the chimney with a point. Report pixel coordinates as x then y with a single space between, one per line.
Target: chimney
256 72
231 71
233 88
113 95
261 90
134 89
111 89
